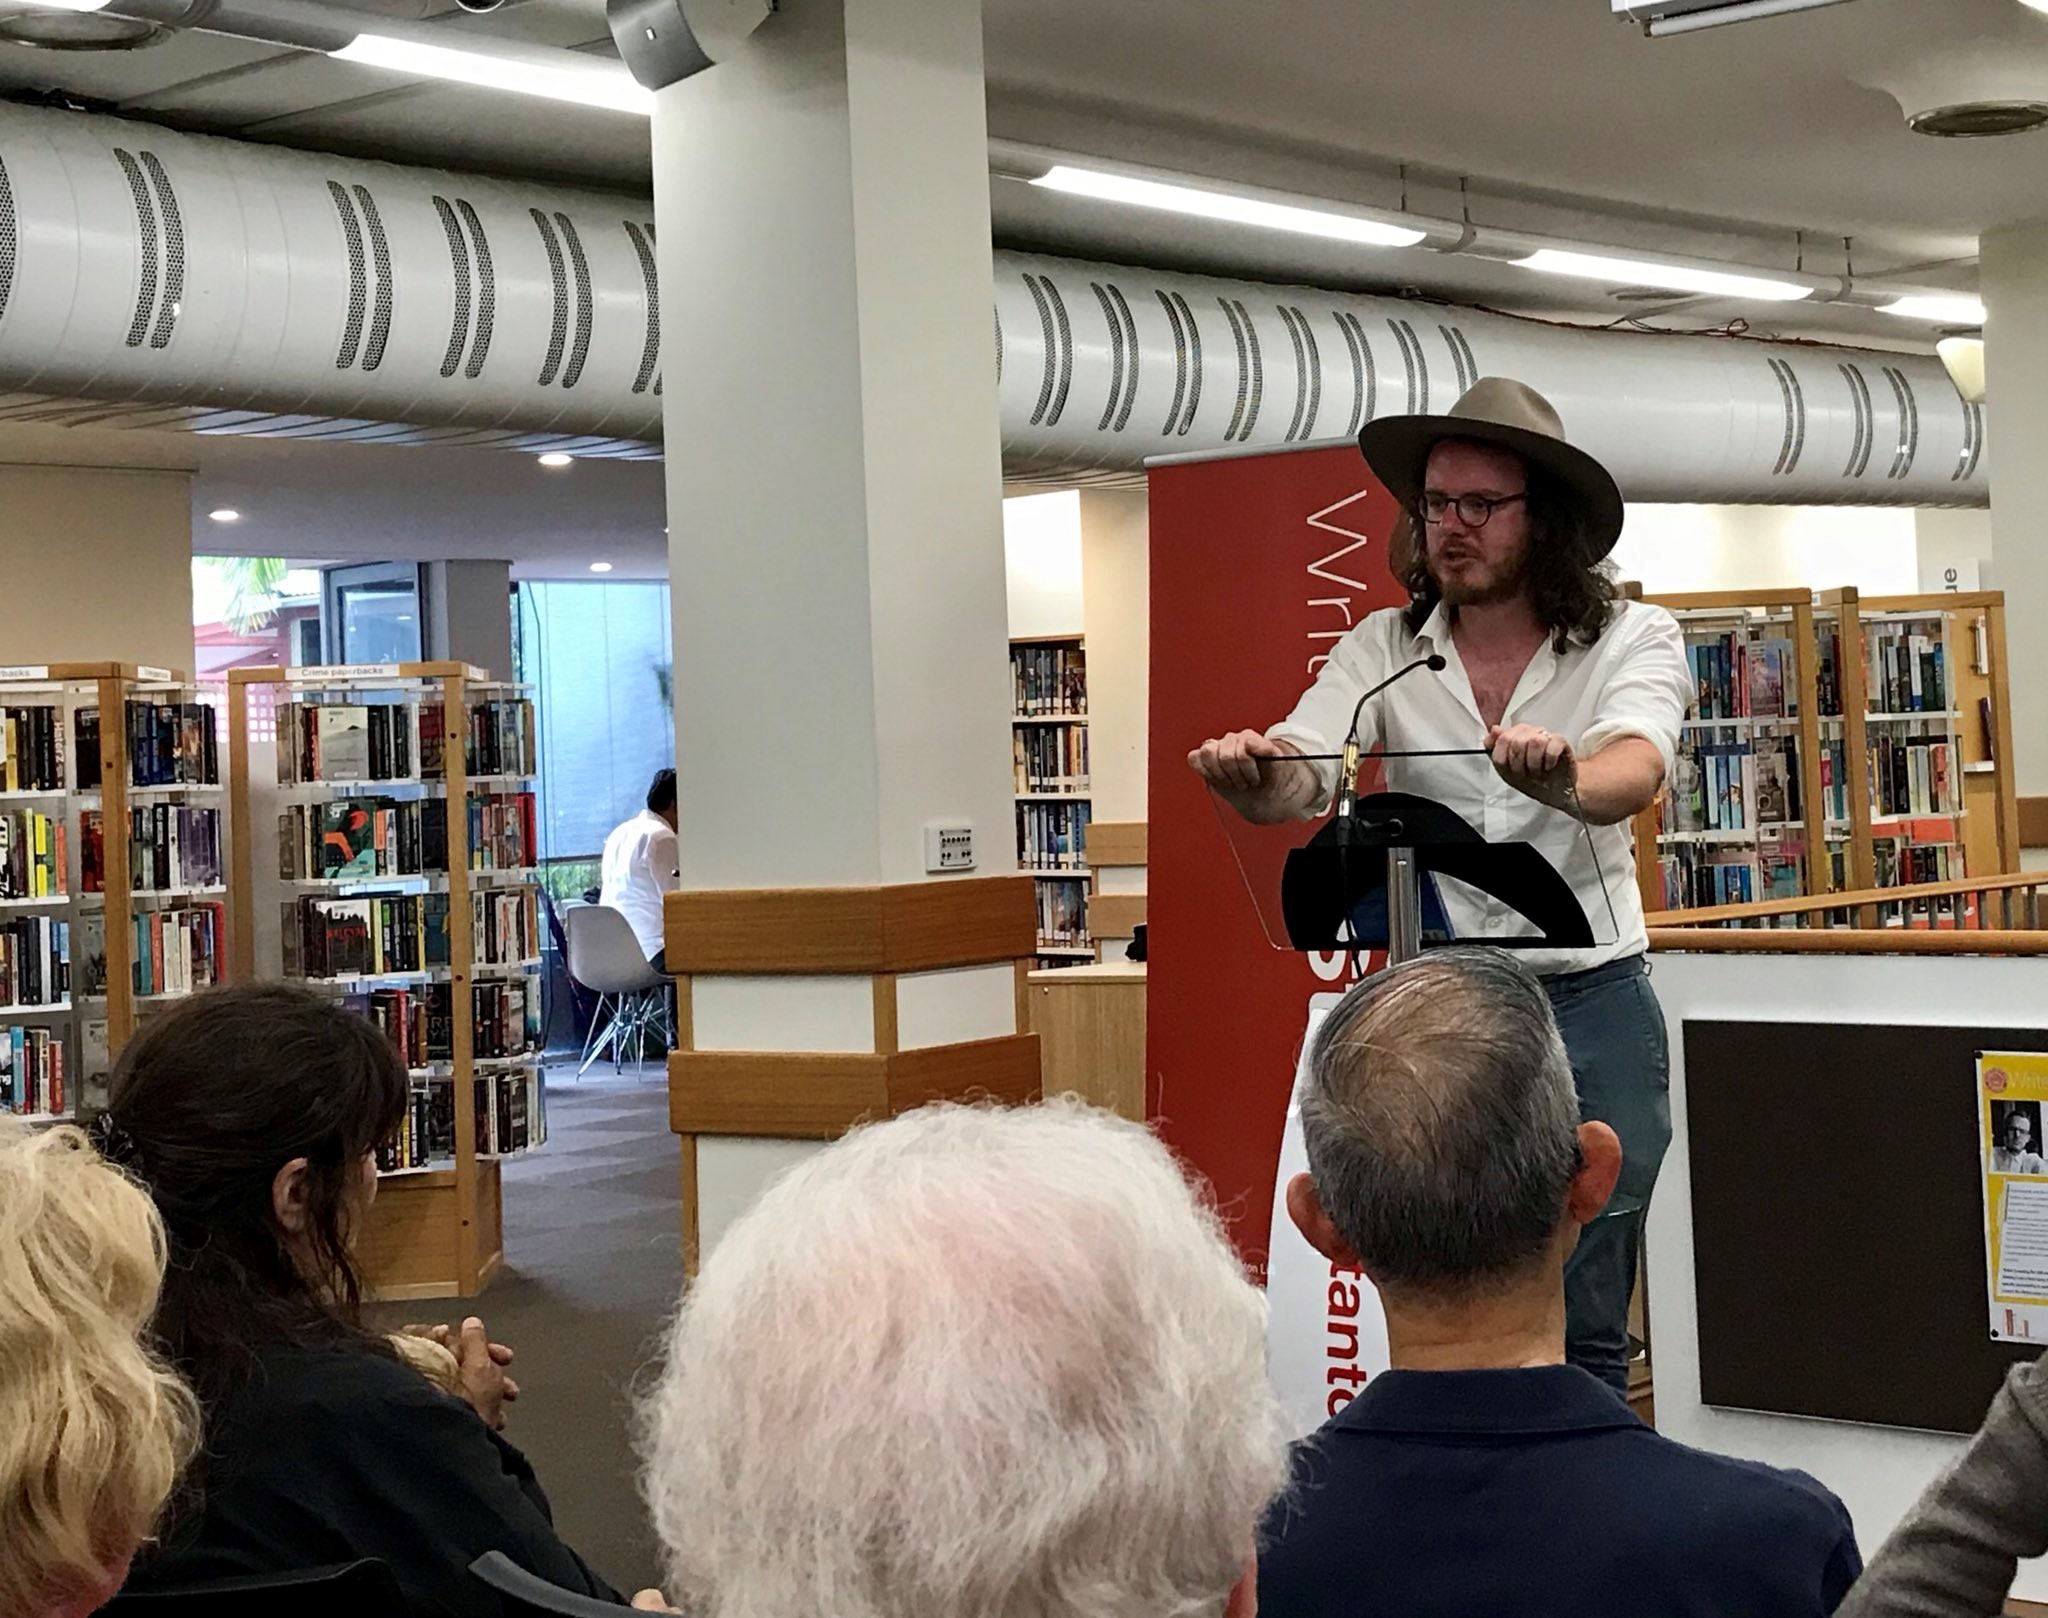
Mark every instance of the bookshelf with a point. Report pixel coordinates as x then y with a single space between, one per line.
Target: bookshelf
111 898
1901 718
1735 823
385 852
1049 752
1925 706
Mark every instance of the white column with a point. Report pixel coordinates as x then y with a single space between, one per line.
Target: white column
833 448
469 614
2015 288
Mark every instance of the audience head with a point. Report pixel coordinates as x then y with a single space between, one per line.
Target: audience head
252 1114
967 1361
661 795
93 1427
1445 1151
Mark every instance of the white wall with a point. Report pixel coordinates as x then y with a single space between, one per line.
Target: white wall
1957 542
1672 549
1042 552
1116 568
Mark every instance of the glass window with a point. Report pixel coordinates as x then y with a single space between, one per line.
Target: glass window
373 612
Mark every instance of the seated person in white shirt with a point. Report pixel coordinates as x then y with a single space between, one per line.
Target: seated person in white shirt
641 864
1578 697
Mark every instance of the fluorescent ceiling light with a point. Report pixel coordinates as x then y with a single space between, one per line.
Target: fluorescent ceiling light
1954 309
1673 277
225 514
556 459
600 84
600 567
1231 208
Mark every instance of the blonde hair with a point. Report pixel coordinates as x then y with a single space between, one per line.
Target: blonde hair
97 1426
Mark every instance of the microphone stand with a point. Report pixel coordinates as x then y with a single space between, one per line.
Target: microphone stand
1404 883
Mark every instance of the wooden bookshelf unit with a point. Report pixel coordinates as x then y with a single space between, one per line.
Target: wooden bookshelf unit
111 805
349 898
1049 749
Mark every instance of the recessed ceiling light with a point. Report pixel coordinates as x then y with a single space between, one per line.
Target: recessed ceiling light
1635 272
600 567
225 514
1953 310
555 458
1231 207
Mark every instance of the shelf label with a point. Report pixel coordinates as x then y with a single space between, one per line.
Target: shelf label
146 671
322 673
24 671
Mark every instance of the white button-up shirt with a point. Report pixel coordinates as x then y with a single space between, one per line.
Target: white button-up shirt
640 862
1632 681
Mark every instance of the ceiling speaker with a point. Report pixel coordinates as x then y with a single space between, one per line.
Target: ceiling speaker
663 42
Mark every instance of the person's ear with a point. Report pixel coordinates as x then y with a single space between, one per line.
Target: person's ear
1599 1168
1243 1601
289 1196
1305 1208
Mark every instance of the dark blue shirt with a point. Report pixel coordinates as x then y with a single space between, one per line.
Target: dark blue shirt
1538 1494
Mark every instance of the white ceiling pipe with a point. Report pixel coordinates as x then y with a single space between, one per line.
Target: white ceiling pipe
172 279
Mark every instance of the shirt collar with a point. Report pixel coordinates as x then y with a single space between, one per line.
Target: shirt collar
1436 628
1539 1399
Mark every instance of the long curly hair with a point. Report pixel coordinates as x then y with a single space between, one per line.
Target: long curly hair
1571 587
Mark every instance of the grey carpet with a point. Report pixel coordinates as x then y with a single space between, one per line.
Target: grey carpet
593 1265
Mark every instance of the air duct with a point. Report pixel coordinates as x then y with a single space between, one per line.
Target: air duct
150 278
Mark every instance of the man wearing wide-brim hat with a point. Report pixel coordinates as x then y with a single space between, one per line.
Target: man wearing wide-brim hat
1578 697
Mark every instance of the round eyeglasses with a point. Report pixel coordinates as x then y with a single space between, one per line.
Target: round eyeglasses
1474 510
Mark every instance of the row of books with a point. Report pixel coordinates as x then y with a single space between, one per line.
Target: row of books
1913 775
1926 853
1907 670
169 744
400 740
511 1116
504 1019
501 738
32 1071
170 846
35 961
31 749
1050 835
385 934
1695 877
504 830
181 950
32 855
347 741
1732 785
362 839
1049 680
1737 678
1050 758
1063 914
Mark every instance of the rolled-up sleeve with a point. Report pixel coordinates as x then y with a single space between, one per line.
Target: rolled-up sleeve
1650 690
1322 718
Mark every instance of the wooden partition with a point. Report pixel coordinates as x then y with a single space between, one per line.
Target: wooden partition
882 934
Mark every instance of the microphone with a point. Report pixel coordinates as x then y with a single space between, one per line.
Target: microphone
1347 774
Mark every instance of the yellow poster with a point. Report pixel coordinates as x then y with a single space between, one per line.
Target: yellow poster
2012 1091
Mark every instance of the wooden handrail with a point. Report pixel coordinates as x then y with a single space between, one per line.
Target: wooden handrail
1849 941
1765 908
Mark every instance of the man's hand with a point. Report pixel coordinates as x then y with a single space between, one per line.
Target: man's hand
1535 763
1239 768
482 1363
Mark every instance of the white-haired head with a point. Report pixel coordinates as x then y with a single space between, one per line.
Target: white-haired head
969 1363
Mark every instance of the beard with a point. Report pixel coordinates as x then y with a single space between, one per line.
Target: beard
1483 585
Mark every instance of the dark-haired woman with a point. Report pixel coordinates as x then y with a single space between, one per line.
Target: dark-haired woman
253 1114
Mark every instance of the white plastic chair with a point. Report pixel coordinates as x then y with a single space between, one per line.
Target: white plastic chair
605 958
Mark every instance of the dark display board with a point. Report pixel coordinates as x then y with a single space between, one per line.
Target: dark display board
1838 1221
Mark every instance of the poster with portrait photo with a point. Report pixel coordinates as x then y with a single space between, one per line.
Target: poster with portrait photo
2011 1088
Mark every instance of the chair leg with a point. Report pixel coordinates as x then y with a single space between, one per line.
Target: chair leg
601 1030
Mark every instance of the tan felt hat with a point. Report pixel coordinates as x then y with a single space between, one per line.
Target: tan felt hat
1512 415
